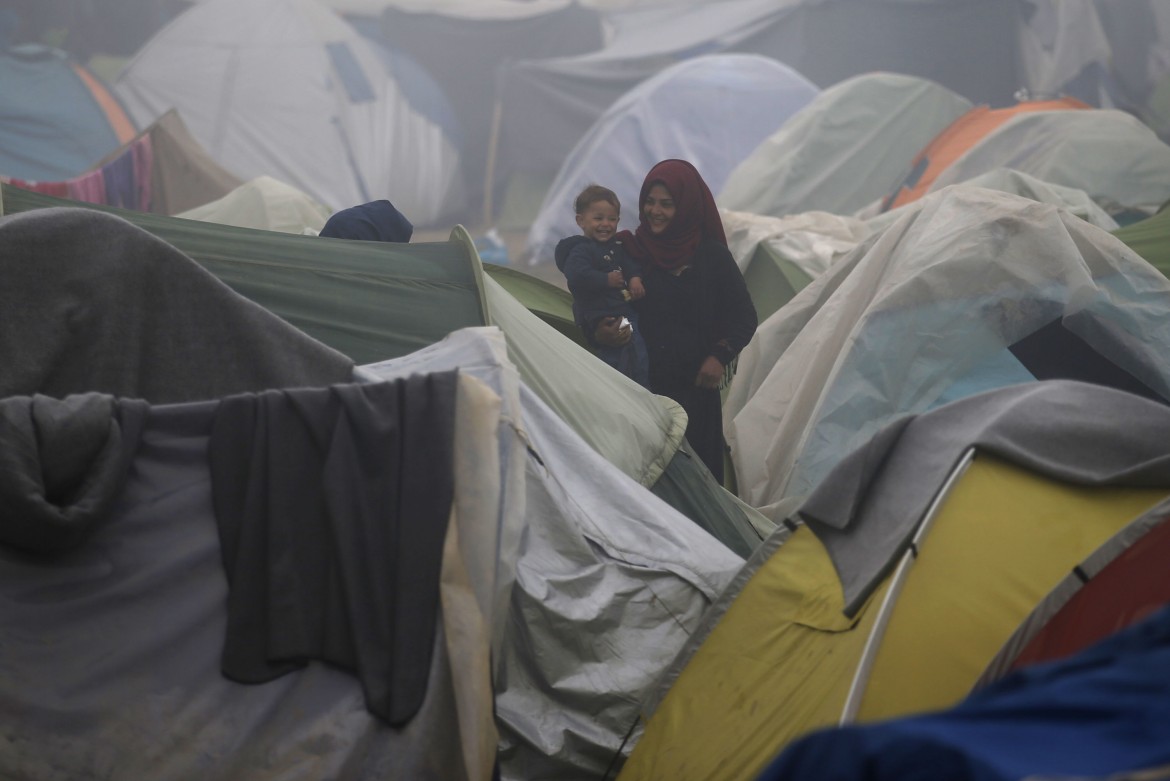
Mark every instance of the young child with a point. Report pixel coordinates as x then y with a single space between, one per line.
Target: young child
604 279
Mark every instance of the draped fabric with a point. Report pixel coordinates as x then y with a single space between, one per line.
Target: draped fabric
327 558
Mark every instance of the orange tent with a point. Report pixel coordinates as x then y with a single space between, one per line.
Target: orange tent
962 134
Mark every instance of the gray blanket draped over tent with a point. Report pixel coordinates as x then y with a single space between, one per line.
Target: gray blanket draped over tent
118 642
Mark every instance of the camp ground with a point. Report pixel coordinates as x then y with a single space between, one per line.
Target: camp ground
947 439
288 89
658 120
845 149
962 294
892 589
984 52
583 562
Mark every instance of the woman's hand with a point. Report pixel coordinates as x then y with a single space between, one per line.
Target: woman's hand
710 373
611 333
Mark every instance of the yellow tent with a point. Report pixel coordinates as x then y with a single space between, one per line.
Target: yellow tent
917 560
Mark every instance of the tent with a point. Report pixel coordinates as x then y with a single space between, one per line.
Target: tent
286 88
845 149
680 113
1150 238
161 170
972 49
1060 720
183 175
486 36
56 117
618 575
373 301
1109 154
896 583
266 204
971 290
956 139
779 256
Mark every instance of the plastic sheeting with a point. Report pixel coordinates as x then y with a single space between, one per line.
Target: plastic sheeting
609 583
286 88
923 313
848 147
682 112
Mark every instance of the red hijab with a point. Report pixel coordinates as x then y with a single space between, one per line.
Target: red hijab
695 218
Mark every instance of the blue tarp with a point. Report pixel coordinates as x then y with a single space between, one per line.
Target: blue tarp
1103 711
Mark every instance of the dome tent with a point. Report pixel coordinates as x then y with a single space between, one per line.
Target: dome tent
56 117
288 89
844 150
680 113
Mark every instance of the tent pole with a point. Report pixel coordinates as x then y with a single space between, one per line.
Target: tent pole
490 171
874 641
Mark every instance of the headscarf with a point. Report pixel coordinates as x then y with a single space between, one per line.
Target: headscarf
695 218
373 221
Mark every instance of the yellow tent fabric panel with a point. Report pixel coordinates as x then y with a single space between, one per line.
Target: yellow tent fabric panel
1002 540
778 665
781 660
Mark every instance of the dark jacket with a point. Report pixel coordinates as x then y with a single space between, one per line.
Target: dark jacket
705 310
586 264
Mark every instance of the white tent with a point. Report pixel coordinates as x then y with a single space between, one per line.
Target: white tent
847 148
288 89
709 110
264 203
970 290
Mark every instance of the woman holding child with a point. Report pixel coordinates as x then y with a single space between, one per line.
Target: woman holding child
696 314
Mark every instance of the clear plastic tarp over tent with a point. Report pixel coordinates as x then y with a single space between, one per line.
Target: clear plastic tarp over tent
935 307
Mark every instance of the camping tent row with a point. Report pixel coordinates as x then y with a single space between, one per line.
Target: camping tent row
1102 165
891 138
984 52
151 324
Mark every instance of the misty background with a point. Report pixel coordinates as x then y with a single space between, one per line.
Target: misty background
479 103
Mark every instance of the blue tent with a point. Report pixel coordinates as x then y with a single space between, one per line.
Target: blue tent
1101 712
56 118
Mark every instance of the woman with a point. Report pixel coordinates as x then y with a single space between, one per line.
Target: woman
697 314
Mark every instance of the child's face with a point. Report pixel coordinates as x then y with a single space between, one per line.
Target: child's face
598 221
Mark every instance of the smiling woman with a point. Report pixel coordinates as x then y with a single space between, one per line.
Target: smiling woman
696 315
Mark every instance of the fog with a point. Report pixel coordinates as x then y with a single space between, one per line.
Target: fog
465 110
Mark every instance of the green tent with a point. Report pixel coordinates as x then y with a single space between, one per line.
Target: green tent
374 301
1150 238
772 279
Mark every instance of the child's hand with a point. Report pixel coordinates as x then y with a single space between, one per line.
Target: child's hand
615 278
637 289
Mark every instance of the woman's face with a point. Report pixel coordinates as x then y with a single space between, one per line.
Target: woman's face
658 208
